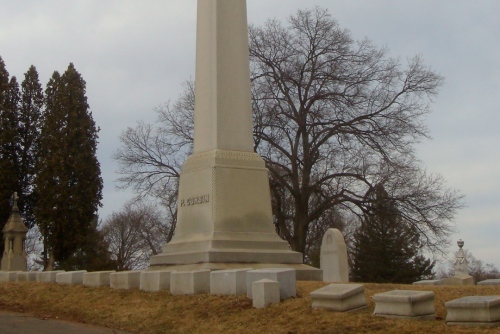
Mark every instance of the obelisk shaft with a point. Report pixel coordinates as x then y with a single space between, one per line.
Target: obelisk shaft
223 112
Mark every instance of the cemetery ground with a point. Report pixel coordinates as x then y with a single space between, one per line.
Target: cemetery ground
160 312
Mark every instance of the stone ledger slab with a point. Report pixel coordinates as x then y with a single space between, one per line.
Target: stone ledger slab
8 276
190 282
70 277
157 280
459 280
340 297
490 282
405 304
285 277
429 282
97 278
333 257
125 280
26 276
474 311
229 282
265 292
48 276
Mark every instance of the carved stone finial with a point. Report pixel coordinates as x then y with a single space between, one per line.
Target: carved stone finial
460 243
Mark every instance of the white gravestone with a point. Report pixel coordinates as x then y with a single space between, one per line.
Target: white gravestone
333 258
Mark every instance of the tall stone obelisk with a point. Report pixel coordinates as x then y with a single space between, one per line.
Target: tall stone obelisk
224 207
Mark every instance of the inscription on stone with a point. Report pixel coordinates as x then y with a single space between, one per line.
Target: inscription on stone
195 200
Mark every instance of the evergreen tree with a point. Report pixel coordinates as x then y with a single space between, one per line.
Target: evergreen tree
30 113
9 143
68 182
386 250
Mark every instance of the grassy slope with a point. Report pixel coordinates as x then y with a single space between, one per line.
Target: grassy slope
141 312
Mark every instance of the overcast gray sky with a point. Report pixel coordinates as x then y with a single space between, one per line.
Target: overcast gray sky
135 54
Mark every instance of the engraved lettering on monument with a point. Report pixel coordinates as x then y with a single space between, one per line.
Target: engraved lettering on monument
195 200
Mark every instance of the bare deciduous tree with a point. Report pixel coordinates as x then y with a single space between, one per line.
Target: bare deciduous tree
135 233
332 118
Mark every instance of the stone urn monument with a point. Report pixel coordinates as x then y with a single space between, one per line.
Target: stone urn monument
14 235
461 267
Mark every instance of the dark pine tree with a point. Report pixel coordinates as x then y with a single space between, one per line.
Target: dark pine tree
386 250
68 182
30 113
9 143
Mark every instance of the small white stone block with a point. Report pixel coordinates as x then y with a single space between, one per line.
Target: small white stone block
285 276
405 304
265 292
459 280
229 282
157 280
190 282
490 282
47 276
26 276
8 276
429 282
125 280
70 277
97 278
474 311
340 297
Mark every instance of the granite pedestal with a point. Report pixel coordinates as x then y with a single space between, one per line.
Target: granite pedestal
474 311
340 297
406 304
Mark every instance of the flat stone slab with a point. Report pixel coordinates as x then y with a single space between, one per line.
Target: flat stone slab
490 282
340 297
157 280
125 280
406 304
26 276
474 311
285 276
229 282
8 276
265 292
48 276
97 278
190 282
459 280
70 277
429 282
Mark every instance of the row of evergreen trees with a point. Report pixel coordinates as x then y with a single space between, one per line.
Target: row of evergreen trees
48 142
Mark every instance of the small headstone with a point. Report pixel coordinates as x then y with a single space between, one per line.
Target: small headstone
340 297
265 292
97 278
157 280
405 304
47 276
228 282
26 276
70 277
8 276
474 311
333 258
125 280
490 282
190 282
285 277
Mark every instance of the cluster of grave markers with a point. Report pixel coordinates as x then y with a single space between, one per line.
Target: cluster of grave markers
272 285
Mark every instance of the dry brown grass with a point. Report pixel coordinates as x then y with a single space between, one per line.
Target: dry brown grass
141 312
